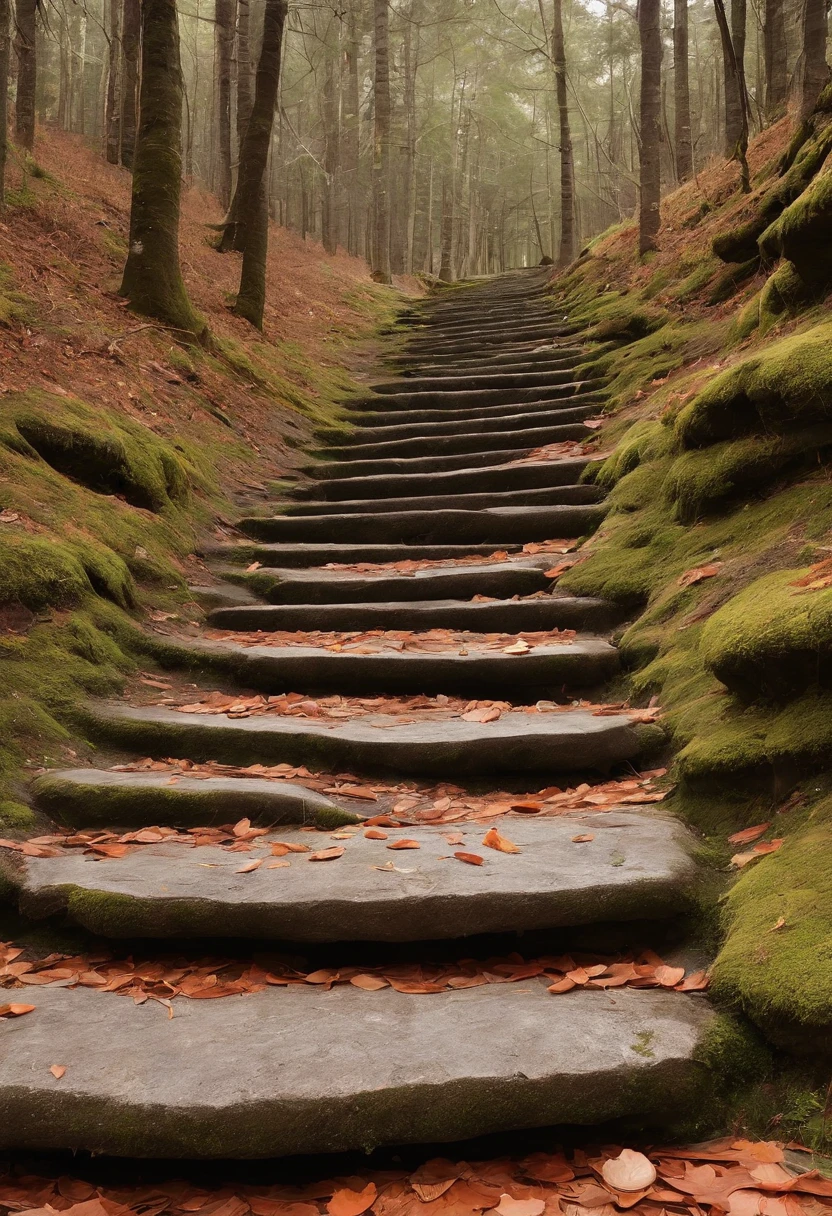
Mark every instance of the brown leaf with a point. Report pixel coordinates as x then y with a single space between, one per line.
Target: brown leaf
473 859
585 839
249 866
369 983
57 1070
698 574
520 1207
749 835
327 854
352 1203
15 1010
404 844
375 834
493 840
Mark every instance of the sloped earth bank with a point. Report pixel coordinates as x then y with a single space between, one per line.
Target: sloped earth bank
380 808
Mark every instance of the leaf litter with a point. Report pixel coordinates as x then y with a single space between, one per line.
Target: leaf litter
395 641
413 565
737 1176
165 977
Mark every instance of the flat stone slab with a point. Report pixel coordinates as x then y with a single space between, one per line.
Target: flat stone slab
638 866
315 586
302 1071
495 525
481 616
92 798
568 741
305 555
449 445
561 495
547 667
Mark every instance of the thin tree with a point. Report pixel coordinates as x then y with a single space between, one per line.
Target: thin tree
247 226
152 279
25 47
243 69
5 56
650 40
381 142
130 39
567 166
815 70
112 123
332 134
681 92
775 50
739 151
223 51
733 66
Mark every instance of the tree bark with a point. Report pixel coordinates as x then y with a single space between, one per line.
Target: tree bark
350 127
250 224
5 57
775 50
815 70
381 143
681 92
567 167
152 277
332 135
650 40
733 62
243 68
223 48
130 40
739 150
25 45
112 116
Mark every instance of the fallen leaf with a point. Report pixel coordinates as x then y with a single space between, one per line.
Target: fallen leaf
493 840
780 923
370 983
375 834
327 854
519 647
57 1070
249 866
698 574
629 1171
352 1203
520 1207
404 844
585 839
749 835
472 858
14 1010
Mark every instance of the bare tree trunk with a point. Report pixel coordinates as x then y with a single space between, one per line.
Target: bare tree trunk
332 135
5 57
739 151
350 127
815 70
775 47
567 168
130 40
733 58
223 47
650 39
152 277
250 224
112 105
25 46
447 227
681 92
381 142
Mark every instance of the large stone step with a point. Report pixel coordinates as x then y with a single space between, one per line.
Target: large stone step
300 1070
488 616
524 356
539 495
423 427
321 586
325 469
547 668
446 399
456 445
564 741
396 418
638 867
482 380
473 341
527 475
304 555
496 525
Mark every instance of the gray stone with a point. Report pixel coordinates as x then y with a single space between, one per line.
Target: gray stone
637 867
541 496
299 1070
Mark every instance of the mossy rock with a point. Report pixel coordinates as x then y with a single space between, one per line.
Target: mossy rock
787 384
773 639
107 455
803 235
732 278
776 962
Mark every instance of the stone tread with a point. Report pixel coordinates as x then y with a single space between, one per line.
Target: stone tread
557 495
300 1070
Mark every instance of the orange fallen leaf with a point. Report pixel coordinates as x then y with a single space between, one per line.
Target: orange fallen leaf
15 1010
669 977
404 844
370 983
280 848
520 1207
691 577
352 1203
749 835
585 839
375 834
493 840
472 858
760 850
57 1070
327 854
249 866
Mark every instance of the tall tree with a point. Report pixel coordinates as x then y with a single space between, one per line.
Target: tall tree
775 49
733 38
131 23
152 279
814 68
381 142
567 167
247 227
332 132
5 57
739 149
650 41
25 46
223 52
112 117
681 92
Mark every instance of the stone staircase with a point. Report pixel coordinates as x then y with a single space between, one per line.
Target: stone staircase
440 467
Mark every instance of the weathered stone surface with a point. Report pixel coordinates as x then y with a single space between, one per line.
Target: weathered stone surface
568 741
304 555
542 495
299 1070
637 867
90 797
447 445
544 669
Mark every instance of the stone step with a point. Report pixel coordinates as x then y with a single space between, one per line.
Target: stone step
424 427
479 380
486 333
528 475
456 445
315 1071
396 418
317 586
304 555
525 356
93 798
473 341
547 669
326 469
465 502
497 525
446 399
638 867
565 741
491 616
